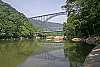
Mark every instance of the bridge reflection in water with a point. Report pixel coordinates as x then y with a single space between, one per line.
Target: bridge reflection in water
51 56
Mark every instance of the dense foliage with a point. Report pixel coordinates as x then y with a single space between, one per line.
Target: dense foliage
83 18
13 24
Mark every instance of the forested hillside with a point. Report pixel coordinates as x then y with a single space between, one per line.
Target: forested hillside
83 18
14 24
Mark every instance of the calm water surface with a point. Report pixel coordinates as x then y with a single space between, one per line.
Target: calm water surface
37 53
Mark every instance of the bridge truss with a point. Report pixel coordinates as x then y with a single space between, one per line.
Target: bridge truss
44 20
48 16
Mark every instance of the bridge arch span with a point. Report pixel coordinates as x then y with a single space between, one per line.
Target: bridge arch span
55 15
43 21
47 17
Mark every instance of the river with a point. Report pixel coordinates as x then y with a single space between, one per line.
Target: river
40 53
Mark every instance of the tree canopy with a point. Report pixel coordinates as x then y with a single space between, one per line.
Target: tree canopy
13 23
83 18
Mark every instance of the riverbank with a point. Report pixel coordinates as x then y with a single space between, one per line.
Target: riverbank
89 40
55 38
93 59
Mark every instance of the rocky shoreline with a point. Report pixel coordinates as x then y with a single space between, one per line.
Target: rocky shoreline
89 40
93 59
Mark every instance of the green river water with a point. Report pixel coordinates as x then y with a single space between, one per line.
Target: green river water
37 53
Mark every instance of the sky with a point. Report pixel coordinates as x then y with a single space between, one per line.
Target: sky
31 8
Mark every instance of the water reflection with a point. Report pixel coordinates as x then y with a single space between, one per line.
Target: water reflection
37 53
13 53
77 53
51 56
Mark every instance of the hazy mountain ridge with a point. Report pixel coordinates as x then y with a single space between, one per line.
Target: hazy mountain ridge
47 26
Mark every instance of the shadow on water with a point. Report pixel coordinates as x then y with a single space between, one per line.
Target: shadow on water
76 53
13 53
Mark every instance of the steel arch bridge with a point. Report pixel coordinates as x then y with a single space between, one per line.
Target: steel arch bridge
48 16
44 20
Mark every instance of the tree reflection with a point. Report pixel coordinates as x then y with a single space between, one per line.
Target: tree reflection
77 53
13 53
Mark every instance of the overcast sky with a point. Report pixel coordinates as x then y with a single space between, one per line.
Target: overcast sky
32 8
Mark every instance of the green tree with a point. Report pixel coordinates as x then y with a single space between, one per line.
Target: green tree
14 24
90 17
85 17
